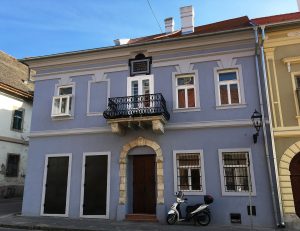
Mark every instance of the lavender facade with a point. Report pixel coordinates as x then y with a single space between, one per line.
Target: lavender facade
110 139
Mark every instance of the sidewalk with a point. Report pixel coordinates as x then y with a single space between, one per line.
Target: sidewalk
60 224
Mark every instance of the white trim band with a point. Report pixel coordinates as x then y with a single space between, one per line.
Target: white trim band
170 126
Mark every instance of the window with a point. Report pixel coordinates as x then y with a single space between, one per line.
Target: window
185 91
12 165
62 104
189 172
228 87
17 120
236 172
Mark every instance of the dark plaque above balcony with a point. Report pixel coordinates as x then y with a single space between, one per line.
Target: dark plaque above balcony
140 65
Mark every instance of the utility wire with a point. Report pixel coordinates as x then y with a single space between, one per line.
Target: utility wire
155 16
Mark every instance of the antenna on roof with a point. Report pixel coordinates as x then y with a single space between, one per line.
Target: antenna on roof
155 16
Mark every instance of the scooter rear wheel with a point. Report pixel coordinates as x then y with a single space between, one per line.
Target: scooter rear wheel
171 219
203 218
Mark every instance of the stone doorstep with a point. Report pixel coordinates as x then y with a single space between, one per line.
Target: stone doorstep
141 217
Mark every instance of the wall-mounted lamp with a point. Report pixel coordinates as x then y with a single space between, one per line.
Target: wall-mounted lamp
257 123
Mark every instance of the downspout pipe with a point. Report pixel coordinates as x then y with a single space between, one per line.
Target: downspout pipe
279 220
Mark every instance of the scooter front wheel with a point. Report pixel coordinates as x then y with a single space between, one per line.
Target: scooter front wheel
203 218
171 219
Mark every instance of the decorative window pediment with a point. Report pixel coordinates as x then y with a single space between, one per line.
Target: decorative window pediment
140 65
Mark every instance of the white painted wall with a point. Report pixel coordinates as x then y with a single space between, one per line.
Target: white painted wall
7 106
5 148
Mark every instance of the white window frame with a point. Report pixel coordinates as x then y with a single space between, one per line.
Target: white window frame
140 79
60 98
221 167
68 113
239 81
190 192
85 154
68 185
175 76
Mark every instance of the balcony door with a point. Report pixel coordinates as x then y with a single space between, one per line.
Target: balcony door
140 88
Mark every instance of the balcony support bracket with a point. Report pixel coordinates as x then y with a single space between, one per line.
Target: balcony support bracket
158 126
117 128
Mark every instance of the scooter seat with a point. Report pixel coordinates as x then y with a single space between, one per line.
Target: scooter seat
191 208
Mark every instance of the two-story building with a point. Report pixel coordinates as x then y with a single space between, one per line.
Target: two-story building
118 130
280 43
16 95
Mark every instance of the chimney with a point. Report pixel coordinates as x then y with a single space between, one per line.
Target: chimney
187 19
298 1
119 42
169 25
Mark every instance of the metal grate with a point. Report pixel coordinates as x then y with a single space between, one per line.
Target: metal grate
134 106
12 166
189 172
235 166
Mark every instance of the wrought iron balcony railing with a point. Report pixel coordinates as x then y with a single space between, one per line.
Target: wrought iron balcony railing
136 106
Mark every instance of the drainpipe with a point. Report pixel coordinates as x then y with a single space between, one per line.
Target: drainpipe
280 223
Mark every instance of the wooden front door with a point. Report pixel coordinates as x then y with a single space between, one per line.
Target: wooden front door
295 180
144 191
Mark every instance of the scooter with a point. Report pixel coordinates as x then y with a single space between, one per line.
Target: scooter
199 213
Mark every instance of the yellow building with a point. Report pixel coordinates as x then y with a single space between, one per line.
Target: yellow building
281 47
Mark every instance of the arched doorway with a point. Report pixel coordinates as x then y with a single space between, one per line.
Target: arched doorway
295 181
158 157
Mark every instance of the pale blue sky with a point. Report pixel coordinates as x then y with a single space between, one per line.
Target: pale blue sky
41 27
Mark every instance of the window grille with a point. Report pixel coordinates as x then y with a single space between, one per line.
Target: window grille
12 166
236 170
189 172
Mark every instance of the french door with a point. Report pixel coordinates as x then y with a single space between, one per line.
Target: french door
140 87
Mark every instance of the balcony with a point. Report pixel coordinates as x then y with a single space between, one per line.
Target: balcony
137 112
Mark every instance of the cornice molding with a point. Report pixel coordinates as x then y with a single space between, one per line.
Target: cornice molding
121 52
13 140
16 92
287 131
170 126
213 56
